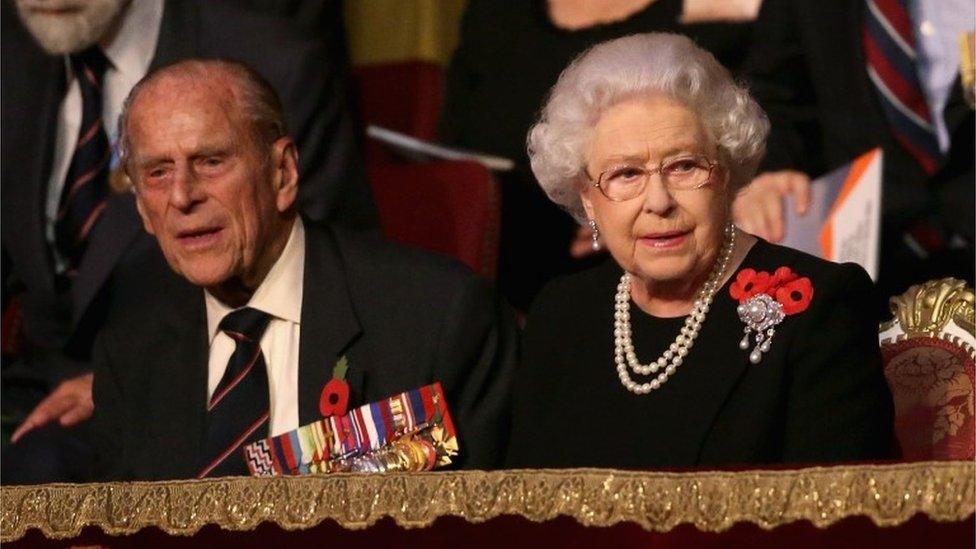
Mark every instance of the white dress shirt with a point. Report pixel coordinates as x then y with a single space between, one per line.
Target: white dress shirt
938 27
279 295
129 53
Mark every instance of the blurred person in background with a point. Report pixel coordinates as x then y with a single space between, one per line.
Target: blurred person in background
839 78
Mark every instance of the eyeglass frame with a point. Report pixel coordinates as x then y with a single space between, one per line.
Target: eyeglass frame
712 164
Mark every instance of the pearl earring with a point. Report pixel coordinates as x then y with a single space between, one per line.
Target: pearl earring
596 235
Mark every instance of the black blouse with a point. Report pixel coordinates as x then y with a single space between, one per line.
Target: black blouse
818 395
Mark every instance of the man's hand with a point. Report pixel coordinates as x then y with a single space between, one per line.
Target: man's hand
759 207
70 404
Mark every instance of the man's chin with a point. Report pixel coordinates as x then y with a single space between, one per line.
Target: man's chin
204 278
71 31
60 37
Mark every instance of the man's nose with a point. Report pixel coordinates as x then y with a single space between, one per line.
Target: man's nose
185 191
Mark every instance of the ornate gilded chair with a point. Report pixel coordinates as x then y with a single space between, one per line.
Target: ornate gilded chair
930 364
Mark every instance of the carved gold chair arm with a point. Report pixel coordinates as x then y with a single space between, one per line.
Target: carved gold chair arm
943 309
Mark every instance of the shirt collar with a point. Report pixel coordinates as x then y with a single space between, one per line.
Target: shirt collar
131 49
280 293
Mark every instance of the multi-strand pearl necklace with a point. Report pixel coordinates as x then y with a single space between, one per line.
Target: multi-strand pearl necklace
669 361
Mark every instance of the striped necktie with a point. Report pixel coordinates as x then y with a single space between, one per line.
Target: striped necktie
85 191
889 47
239 410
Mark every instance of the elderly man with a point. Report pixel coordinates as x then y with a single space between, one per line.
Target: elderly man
239 342
67 219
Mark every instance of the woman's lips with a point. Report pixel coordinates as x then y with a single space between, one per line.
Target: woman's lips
199 238
663 241
53 11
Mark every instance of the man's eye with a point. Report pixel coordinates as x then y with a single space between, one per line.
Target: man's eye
212 161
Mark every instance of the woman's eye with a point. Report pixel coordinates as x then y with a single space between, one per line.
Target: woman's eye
625 173
680 166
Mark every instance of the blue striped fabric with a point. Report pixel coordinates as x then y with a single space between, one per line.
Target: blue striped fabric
889 47
85 191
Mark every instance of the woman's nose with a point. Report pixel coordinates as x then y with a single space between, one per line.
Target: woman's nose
657 197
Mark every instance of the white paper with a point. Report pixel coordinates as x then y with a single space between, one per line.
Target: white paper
412 145
842 228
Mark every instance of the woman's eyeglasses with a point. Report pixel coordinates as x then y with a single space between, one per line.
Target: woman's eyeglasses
680 173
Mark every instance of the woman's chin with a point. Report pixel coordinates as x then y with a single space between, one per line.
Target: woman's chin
662 264
664 269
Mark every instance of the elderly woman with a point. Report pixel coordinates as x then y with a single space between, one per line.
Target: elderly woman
695 343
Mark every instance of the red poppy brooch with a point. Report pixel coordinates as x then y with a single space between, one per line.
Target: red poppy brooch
764 301
334 399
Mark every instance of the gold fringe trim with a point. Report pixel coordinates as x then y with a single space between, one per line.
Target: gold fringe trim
712 501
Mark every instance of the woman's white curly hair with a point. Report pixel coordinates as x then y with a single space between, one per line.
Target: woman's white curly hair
638 65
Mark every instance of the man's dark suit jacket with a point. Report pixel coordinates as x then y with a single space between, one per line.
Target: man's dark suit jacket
808 71
60 326
403 318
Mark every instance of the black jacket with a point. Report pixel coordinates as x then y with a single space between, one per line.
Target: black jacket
818 395
402 318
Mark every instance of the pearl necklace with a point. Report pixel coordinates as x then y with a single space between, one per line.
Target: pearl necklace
669 361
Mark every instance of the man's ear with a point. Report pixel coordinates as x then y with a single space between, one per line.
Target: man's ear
142 212
284 158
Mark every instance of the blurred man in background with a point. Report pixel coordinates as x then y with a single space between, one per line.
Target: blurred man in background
839 78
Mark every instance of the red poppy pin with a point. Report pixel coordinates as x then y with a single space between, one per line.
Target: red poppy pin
765 300
334 400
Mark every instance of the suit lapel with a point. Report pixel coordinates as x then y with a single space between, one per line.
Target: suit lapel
113 233
329 322
28 190
956 110
178 33
180 384
872 119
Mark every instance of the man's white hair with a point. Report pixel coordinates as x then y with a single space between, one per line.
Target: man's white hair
256 101
634 66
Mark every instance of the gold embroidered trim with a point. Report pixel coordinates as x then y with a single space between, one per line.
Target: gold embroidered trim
712 501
